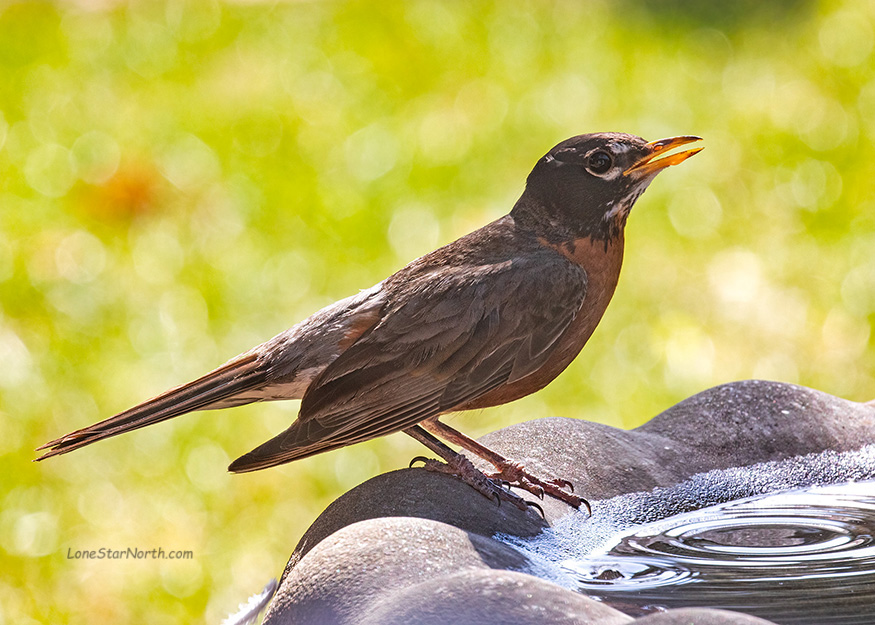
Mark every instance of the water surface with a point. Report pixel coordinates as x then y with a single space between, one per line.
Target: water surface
791 541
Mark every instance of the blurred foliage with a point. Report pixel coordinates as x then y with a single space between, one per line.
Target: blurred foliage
181 181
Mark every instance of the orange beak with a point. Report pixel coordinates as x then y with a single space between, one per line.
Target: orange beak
651 164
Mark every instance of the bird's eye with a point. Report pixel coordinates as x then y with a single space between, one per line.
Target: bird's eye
599 162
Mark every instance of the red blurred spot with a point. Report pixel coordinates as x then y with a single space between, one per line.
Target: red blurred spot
131 192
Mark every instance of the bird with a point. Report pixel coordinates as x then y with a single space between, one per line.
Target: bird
487 319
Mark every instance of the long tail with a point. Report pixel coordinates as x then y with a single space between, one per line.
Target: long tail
215 389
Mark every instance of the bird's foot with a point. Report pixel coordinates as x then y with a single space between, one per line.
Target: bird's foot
516 474
491 488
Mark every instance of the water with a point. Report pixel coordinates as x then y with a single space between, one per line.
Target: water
803 556
791 541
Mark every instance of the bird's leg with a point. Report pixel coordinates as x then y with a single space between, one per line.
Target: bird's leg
508 470
458 465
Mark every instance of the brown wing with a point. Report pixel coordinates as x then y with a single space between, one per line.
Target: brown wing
447 336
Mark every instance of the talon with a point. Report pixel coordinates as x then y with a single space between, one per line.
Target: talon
532 504
421 459
490 487
562 483
536 490
588 507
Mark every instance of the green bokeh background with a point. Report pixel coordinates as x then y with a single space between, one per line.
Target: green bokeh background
181 181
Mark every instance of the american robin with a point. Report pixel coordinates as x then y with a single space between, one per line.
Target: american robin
485 320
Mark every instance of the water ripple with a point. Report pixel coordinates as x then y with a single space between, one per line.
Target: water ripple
795 557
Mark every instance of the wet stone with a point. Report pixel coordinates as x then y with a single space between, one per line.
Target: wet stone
702 515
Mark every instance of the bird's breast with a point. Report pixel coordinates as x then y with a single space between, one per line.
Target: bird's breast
601 260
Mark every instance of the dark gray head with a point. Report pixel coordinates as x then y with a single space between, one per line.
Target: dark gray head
586 185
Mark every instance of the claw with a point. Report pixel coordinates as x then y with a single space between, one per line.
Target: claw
558 481
517 475
537 491
490 486
532 504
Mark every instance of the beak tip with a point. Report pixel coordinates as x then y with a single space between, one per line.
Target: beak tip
655 162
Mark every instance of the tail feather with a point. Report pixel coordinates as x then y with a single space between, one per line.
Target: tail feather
217 387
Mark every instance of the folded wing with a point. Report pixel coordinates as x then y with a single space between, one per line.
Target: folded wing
447 335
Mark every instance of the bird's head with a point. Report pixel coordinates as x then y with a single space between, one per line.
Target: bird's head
586 185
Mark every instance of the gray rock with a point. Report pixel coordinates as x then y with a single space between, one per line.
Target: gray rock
502 597
420 561
700 616
419 547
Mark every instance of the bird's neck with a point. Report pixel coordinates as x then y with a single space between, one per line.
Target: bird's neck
558 223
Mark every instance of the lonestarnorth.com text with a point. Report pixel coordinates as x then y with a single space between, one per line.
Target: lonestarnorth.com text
131 553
